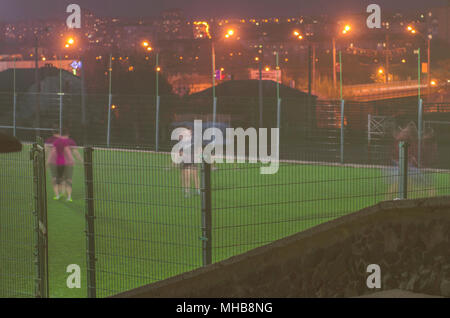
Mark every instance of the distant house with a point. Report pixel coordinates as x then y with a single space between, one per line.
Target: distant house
238 106
27 100
238 100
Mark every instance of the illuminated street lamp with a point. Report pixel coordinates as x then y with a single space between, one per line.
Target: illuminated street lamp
428 40
229 33
347 28
311 61
69 42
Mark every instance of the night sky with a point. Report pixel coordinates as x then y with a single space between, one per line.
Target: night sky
11 10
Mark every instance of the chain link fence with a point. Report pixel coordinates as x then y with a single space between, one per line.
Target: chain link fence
23 224
148 219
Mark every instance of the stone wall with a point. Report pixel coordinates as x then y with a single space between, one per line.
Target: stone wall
408 239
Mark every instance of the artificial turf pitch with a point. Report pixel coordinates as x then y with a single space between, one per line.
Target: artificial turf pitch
146 230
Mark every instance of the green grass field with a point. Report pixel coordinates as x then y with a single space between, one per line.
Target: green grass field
146 230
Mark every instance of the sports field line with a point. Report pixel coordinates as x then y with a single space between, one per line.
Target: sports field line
300 162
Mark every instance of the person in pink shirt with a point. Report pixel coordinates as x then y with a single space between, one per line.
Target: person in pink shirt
63 150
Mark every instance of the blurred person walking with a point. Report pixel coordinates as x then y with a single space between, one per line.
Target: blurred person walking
64 149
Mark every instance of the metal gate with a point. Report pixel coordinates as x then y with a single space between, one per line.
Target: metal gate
23 223
40 213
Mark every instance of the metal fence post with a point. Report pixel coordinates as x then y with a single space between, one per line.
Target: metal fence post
14 99
278 113
214 111
420 133
403 170
108 133
369 137
206 214
90 217
14 114
342 129
61 112
158 100
40 196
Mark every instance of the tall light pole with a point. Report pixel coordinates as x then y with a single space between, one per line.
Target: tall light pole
427 39
311 60
147 46
260 89
334 64
37 83
158 101
387 58
38 79
212 36
70 42
346 30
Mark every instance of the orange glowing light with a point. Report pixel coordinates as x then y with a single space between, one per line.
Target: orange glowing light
206 25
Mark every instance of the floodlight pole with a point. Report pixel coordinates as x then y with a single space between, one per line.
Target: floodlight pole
60 98
340 73
260 90
342 109
429 67
387 58
108 136
418 70
14 100
38 84
278 93
334 66
213 57
83 101
157 103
